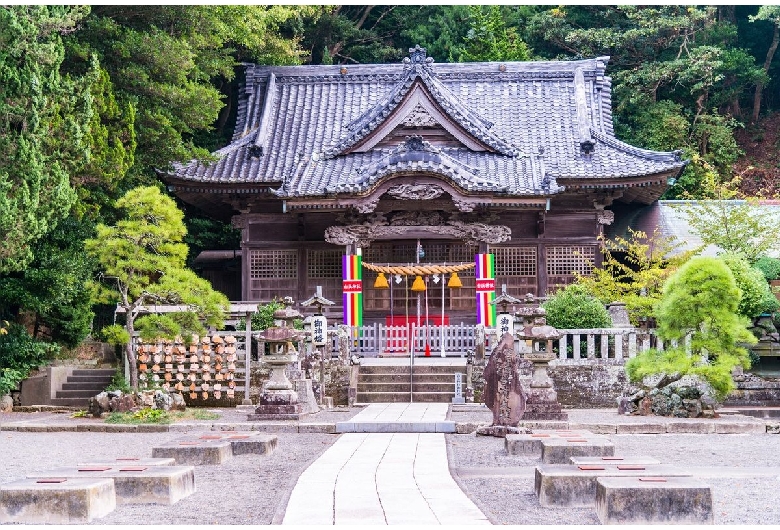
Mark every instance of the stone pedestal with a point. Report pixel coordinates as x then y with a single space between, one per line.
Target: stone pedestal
541 398
278 405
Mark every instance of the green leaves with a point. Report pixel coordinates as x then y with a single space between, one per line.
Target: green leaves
574 308
699 308
143 257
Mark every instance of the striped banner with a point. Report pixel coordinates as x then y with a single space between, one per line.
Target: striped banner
352 285
485 273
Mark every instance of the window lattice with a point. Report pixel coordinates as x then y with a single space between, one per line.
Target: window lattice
273 264
324 263
515 261
567 261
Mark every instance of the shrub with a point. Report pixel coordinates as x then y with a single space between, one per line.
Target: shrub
574 308
756 296
700 300
769 267
20 353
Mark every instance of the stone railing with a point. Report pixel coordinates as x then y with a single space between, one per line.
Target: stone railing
618 344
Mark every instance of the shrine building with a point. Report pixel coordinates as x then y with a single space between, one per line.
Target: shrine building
422 164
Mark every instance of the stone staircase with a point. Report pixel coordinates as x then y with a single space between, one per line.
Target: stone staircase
82 384
396 382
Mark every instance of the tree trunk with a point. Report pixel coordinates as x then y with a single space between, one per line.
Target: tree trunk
760 86
130 353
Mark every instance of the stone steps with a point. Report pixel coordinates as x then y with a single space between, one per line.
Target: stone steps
81 385
399 384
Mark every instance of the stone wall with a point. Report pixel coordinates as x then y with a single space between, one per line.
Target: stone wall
596 384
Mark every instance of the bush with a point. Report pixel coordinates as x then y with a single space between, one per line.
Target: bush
769 267
574 308
20 353
757 297
699 301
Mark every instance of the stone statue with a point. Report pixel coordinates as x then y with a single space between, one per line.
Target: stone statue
504 394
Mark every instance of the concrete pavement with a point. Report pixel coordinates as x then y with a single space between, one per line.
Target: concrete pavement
384 478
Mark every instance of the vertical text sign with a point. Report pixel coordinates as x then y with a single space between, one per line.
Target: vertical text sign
319 330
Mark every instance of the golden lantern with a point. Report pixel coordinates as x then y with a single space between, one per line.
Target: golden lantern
419 284
454 281
381 281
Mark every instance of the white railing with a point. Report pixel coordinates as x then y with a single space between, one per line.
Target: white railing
574 345
379 339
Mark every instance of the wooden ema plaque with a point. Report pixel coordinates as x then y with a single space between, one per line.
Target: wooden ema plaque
197 363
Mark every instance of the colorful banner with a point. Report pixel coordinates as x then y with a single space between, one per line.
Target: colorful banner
485 273
352 285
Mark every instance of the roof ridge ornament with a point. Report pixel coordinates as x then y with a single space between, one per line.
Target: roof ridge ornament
418 59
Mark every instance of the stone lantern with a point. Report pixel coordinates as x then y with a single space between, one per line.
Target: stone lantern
536 345
279 400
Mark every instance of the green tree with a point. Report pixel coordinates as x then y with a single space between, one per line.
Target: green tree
574 308
53 287
678 79
742 227
756 296
634 270
174 65
43 119
700 301
769 14
489 38
143 258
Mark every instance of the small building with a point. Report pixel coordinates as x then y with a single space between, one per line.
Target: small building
422 162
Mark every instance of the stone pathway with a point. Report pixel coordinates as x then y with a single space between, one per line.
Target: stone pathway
384 478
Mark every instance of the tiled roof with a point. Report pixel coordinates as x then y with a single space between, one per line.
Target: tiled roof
298 128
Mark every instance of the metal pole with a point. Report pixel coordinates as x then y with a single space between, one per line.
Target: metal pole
247 357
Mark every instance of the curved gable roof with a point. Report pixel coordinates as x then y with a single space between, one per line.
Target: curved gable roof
315 129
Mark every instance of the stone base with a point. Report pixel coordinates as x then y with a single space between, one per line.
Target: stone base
614 460
277 405
574 486
136 484
531 444
242 443
560 450
542 404
131 461
502 431
667 500
58 501
194 453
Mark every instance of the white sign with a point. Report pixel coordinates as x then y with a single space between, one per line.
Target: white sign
458 385
319 330
505 323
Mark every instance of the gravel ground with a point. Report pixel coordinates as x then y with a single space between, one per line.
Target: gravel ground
742 469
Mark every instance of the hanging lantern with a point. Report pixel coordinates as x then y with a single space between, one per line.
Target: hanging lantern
419 284
381 281
454 281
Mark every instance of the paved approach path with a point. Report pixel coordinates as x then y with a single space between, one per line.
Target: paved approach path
380 478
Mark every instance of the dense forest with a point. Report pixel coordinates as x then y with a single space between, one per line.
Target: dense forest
94 101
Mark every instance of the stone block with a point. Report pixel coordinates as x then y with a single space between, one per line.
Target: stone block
690 427
194 453
641 428
559 450
242 443
739 428
613 460
130 461
325 428
53 500
653 500
133 483
575 485
531 444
